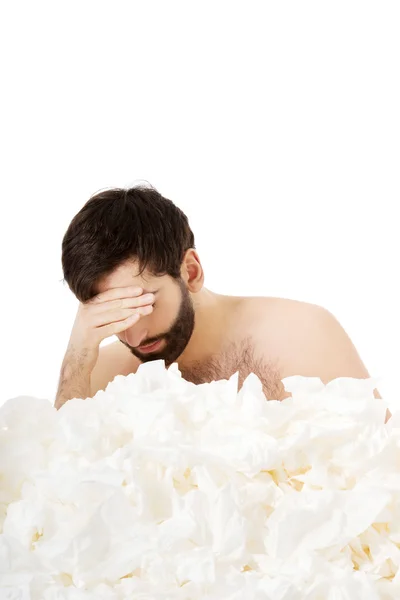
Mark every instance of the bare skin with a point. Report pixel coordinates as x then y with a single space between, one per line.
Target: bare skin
248 348
271 337
221 345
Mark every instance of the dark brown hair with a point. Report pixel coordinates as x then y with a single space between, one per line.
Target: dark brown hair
121 224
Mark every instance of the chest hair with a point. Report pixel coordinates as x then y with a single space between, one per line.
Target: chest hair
236 357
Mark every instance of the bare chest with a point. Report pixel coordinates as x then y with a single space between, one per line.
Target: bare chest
238 358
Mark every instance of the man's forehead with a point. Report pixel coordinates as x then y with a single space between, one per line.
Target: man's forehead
123 276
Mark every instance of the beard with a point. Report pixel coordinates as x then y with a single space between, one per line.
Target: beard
177 338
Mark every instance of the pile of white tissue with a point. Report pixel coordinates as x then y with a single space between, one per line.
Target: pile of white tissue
161 489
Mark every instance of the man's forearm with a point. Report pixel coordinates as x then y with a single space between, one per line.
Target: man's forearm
74 383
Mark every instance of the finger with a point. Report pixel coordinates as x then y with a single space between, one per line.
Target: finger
108 317
113 328
143 300
116 293
123 303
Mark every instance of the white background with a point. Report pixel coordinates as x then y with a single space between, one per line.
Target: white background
274 125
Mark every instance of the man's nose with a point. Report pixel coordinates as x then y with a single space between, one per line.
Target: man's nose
135 336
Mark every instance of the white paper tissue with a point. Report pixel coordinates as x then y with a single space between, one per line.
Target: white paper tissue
161 489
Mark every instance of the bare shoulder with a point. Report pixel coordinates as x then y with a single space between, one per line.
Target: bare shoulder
114 359
275 324
275 315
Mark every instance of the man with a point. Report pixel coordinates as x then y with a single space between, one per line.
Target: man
129 257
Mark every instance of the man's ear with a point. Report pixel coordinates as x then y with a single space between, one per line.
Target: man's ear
191 271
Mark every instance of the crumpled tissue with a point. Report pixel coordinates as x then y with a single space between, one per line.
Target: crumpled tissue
160 489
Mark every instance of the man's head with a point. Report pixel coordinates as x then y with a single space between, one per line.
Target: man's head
137 237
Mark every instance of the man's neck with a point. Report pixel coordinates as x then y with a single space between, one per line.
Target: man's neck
212 315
